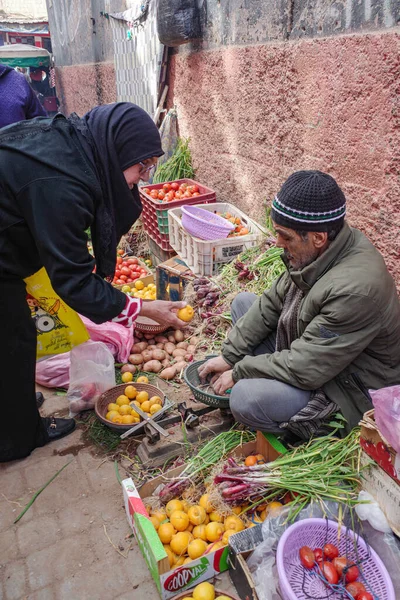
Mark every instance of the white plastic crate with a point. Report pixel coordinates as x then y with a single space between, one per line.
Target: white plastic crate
205 257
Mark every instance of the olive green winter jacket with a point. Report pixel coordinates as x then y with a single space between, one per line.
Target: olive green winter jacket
348 327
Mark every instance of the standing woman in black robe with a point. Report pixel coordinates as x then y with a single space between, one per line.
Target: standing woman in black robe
59 177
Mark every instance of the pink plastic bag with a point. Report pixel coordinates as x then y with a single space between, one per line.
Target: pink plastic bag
387 413
54 371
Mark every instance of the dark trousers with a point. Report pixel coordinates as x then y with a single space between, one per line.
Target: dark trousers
263 403
21 427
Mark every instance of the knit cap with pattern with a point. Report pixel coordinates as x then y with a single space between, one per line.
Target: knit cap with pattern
309 201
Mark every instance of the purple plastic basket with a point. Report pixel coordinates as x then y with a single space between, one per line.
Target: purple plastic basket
298 583
205 224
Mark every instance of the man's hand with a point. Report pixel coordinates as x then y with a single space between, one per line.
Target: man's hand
223 383
163 312
214 365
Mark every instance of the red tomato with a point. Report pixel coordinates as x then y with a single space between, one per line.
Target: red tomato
364 596
195 188
166 187
135 276
124 277
117 273
119 260
154 194
355 588
187 194
129 280
351 574
175 186
143 270
195 194
120 282
183 187
330 551
178 195
161 195
145 190
125 271
124 263
329 572
171 195
307 557
318 555
340 562
133 261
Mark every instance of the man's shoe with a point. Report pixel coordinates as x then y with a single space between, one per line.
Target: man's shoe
39 399
58 428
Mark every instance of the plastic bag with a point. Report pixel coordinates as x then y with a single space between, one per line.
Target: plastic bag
59 328
91 373
371 512
179 21
387 413
54 370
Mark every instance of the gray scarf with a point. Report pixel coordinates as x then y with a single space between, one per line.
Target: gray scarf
310 420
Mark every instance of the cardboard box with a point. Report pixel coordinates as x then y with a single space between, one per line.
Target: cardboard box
240 547
380 479
172 277
170 582
146 279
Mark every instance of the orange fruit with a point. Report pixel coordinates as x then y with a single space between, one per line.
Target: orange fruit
214 531
130 391
180 542
200 532
165 532
179 520
196 548
125 377
197 515
234 523
250 461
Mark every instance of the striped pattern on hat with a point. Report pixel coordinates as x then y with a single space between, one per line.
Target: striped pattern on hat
309 200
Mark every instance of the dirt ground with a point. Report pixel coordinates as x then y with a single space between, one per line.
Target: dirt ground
74 542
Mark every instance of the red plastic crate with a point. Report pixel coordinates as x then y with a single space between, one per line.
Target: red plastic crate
155 212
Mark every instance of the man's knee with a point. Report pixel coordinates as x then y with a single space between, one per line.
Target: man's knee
240 401
241 304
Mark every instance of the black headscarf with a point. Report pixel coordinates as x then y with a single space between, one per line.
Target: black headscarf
119 135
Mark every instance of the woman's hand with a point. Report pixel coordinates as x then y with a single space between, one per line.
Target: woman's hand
223 383
216 365
164 312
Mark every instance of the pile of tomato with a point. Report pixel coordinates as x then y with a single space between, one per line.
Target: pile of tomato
335 569
128 270
240 228
173 191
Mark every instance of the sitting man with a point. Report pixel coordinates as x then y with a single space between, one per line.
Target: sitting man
327 330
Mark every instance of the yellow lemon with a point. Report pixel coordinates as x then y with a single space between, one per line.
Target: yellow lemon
139 285
185 505
204 591
145 406
121 400
197 515
155 521
171 556
196 548
190 527
206 522
179 520
186 314
111 414
180 561
134 403
234 523
143 379
200 532
125 409
155 408
113 406
214 531
165 532
130 391
155 400
206 504
128 420
173 505
159 514
126 377
185 562
180 542
117 420
237 510
142 396
216 516
135 414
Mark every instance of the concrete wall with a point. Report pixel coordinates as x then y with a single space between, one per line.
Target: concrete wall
23 9
307 95
83 51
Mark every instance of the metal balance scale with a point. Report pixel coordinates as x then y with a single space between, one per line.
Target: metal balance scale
170 436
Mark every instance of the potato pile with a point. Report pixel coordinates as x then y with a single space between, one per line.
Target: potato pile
165 354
